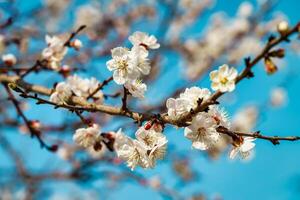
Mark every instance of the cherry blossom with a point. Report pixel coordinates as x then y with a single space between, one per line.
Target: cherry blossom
186 101
143 39
193 95
138 59
136 88
223 79
55 51
61 94
219 115
155 142
177 107
119 64
86 137
202 132
132 151
242 147
83 87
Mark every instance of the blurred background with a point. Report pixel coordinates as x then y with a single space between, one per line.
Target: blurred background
196 36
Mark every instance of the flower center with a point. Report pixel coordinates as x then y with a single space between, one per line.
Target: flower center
122 64
201 131
224 80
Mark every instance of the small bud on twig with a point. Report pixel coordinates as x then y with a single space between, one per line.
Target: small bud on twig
270 67
283 27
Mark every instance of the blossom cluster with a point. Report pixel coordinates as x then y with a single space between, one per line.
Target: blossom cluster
231 38
56 50
75 85
150 145
128 65
202 130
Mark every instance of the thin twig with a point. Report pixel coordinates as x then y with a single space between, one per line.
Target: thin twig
34 132
274 139
100 86
124 99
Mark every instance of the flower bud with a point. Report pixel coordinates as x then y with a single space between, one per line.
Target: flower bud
9 59
148 125
65 70
35 124
76 44
279 53
283 27
270 67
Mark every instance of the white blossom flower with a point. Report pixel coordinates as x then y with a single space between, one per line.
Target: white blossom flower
139 60
219 115
177 107
61 94
78 85
86 137
244 148
143 39
55 51
123 70
193 95
136 87
132 151
202 132
9 59
155 142
223 79
187 100
83 87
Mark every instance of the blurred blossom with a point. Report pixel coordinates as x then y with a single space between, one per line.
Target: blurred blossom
278 96
89 15
65 152
245 119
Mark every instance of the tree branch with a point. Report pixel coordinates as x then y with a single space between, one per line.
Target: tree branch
274 139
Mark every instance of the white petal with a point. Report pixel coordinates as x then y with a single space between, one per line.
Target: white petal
233 153
118 77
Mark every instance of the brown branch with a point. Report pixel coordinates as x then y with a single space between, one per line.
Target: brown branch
33 131
79 104
100 86
41 63
68 42
38 63
124 99
274 139
244 74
